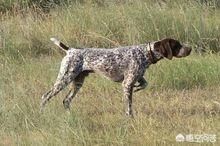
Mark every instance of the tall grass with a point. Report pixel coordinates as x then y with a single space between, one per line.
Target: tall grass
97 114
182 96
189 73
91 25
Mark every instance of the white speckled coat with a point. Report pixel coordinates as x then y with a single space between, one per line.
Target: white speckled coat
124 64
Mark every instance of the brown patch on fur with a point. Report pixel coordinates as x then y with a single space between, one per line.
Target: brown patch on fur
170 47
64 46
164 48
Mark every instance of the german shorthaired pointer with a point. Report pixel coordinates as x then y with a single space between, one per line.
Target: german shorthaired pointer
123 64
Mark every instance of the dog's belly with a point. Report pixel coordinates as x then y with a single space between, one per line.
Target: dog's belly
114 73
113 77
111 73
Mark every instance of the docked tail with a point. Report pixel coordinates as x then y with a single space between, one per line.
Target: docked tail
59 44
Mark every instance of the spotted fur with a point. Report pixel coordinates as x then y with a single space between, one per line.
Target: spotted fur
124 64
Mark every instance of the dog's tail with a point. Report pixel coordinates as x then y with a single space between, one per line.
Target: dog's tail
59 44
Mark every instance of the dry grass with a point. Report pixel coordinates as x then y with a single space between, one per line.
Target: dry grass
182 96
97 113
88 25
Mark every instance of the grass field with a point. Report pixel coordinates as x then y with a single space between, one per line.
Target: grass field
183 95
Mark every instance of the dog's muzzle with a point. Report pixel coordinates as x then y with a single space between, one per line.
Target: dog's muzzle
184 51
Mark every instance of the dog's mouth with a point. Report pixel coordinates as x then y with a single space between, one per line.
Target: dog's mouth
184 51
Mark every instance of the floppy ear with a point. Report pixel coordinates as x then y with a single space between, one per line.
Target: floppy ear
164 48
167 50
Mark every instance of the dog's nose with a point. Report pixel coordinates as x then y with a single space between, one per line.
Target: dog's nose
189 49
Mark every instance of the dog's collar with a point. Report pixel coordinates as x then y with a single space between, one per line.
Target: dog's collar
150 54
148 47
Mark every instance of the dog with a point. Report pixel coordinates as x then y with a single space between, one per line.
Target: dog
126 65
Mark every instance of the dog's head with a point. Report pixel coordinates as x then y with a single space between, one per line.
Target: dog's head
170 48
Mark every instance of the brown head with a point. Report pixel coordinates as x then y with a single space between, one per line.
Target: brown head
170 48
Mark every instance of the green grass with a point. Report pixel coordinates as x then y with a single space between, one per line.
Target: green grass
182 97
115 24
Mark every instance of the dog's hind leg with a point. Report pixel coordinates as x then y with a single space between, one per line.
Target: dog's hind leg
77 84
58 86
66 74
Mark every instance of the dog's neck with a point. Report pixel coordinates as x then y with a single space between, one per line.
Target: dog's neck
152 55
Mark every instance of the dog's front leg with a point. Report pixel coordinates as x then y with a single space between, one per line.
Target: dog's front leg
128 90
142 84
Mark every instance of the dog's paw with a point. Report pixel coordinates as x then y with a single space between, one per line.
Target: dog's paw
66 104
129 114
